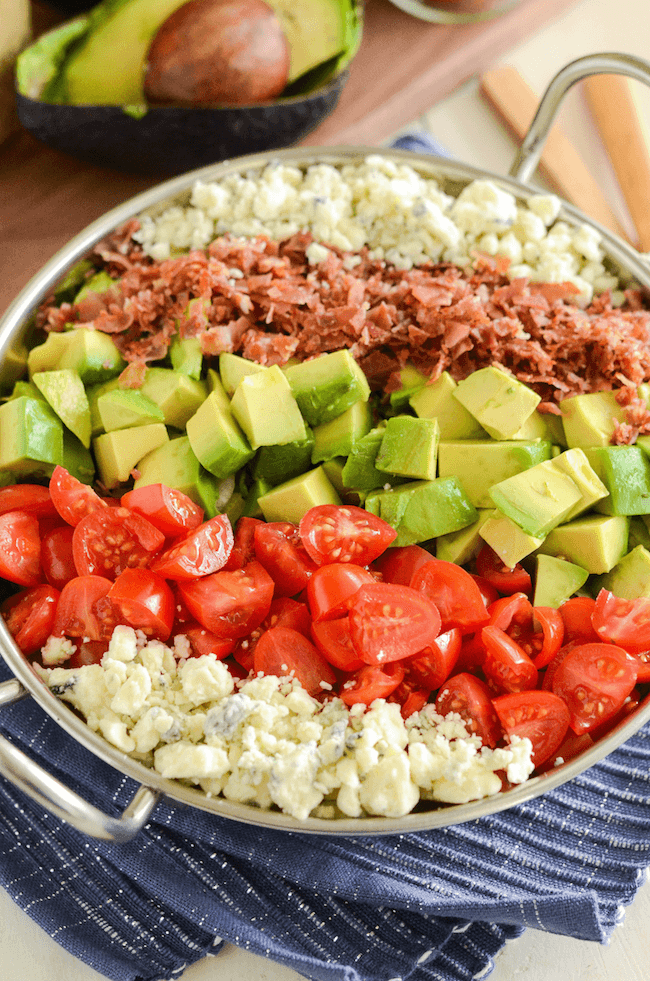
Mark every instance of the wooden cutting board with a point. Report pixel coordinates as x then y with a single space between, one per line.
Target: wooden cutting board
404 67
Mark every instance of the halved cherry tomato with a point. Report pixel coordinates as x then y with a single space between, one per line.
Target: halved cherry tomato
623 622
30 498
410 699
20 548
170 510
455 594
539 716
344 533
331 588
56 556
539 631
430 668
643 666
30 616
506 665
570 747
281 651
87 652
72 499
576 615
371 682
203 641
110 540
243 550
399 565
333 640
200 553
594 680
507 610
288 612
390 622
469 697
506 580
84 610
489 592
279 548
543 648
230 604
143 599
630 705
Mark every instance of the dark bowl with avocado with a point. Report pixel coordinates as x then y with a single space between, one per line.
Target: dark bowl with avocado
70 97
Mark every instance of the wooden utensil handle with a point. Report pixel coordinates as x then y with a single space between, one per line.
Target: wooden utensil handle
611 100
515 102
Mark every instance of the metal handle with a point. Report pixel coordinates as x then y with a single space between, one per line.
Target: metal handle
528 156
48 791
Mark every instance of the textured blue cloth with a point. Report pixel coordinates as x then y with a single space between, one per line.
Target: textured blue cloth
429 906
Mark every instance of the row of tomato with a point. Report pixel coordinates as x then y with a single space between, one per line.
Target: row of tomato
328 600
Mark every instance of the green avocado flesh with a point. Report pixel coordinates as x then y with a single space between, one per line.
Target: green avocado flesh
271 442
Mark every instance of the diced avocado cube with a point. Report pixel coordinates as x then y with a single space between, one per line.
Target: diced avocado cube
464 545
264 406
186 355
46 356
500 402
625 473
215 387
278 463
359 472
556 581
423 509
256 490
334 472
232 368
26 388
481 463
179 396
31 437
436 401
540 425
14 365
538 499
118 452
409 447
175 464
100 283
216 438
410 381
92 355
630 577
291 501
575 464
326 386
77 459
93 393
590 420
507 539
638 535
123 408
596 542
339 436
64 390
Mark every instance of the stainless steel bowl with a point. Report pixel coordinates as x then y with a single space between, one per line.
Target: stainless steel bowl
17 767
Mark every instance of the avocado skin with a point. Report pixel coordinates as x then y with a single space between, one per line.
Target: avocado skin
170 140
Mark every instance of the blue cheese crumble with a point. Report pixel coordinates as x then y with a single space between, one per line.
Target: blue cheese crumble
266 742
401 216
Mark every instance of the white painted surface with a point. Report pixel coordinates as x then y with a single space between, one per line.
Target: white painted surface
471 132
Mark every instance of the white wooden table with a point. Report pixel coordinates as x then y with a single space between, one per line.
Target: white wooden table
471 132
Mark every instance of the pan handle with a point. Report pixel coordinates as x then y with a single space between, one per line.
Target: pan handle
607 63
49 792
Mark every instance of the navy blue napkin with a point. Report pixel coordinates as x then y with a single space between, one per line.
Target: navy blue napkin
428 906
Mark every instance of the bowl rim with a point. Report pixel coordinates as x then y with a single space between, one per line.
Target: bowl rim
17 318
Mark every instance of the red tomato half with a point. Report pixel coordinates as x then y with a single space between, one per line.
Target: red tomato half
200 553
544 644
576 615
20 548
371 682
243 550
594 680
278 547
30 616
83 609
454 592
506 580
390 622
506 665
343 533
333 640
30 498
72 499
539 716
331 588
110 540
399 565
431 668
230 604
288 612
171 511
469 697
144 601
57 559
489 592
623 622
281 651
202 642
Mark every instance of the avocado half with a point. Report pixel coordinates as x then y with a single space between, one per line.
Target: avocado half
171 139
